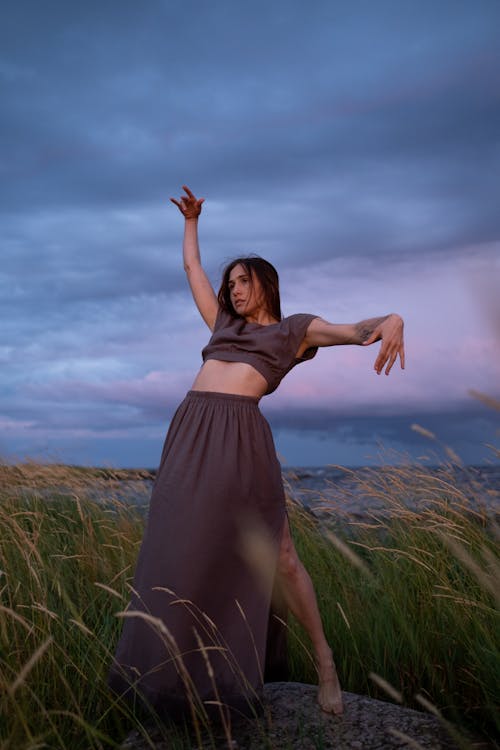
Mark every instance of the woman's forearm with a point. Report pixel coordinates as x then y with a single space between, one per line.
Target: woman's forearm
190 245
387 328
323 333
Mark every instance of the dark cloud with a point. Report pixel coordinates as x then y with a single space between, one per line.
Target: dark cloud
470 435
448 426
365 131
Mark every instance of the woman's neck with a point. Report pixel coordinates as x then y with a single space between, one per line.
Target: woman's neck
262 317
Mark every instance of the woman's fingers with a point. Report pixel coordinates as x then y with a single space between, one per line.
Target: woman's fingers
386 355
191 198
392 359
188 205
392 347
380 361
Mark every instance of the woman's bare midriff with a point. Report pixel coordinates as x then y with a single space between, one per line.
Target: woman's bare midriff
237 378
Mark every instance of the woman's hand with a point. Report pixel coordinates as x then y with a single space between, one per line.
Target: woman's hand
189 205
390 332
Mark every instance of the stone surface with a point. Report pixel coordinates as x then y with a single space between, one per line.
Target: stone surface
293 721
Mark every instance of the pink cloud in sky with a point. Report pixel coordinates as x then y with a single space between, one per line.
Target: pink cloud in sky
153 390
451 344
451 347
451 330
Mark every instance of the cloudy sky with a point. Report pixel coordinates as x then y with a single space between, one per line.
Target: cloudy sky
354 144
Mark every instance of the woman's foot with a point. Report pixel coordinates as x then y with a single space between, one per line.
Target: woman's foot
329 692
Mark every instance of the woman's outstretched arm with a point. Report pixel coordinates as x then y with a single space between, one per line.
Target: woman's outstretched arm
201 288
388 329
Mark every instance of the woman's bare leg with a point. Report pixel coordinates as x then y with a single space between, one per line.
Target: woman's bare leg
301 599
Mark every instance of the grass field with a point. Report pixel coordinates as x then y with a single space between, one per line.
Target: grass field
410 602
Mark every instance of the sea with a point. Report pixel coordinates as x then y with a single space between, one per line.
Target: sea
365 492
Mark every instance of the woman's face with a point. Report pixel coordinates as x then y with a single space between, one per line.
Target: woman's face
246 293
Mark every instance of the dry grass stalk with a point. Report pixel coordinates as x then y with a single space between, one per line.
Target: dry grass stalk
349 553
488 581
386 686
406 738
418 505
21 677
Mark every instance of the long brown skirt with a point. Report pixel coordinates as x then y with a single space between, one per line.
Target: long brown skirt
194 634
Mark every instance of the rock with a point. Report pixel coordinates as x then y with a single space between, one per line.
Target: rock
292 720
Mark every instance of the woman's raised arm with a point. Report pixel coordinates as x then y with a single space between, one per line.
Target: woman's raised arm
387 329
201 288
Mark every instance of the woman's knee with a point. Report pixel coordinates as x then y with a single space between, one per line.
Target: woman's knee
289 567
288 562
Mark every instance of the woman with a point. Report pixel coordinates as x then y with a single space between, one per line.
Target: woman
198 636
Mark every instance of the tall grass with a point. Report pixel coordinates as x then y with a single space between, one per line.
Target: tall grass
409 601
65 560
412 595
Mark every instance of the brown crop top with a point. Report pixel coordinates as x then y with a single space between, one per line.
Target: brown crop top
270 349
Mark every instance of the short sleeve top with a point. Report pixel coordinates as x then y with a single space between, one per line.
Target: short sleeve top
270 349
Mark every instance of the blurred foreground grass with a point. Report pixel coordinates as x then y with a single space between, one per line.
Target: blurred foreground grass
409 601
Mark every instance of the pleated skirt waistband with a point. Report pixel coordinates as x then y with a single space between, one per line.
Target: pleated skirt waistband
229 398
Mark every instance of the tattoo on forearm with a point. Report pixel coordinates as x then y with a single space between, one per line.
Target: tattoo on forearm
365 328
